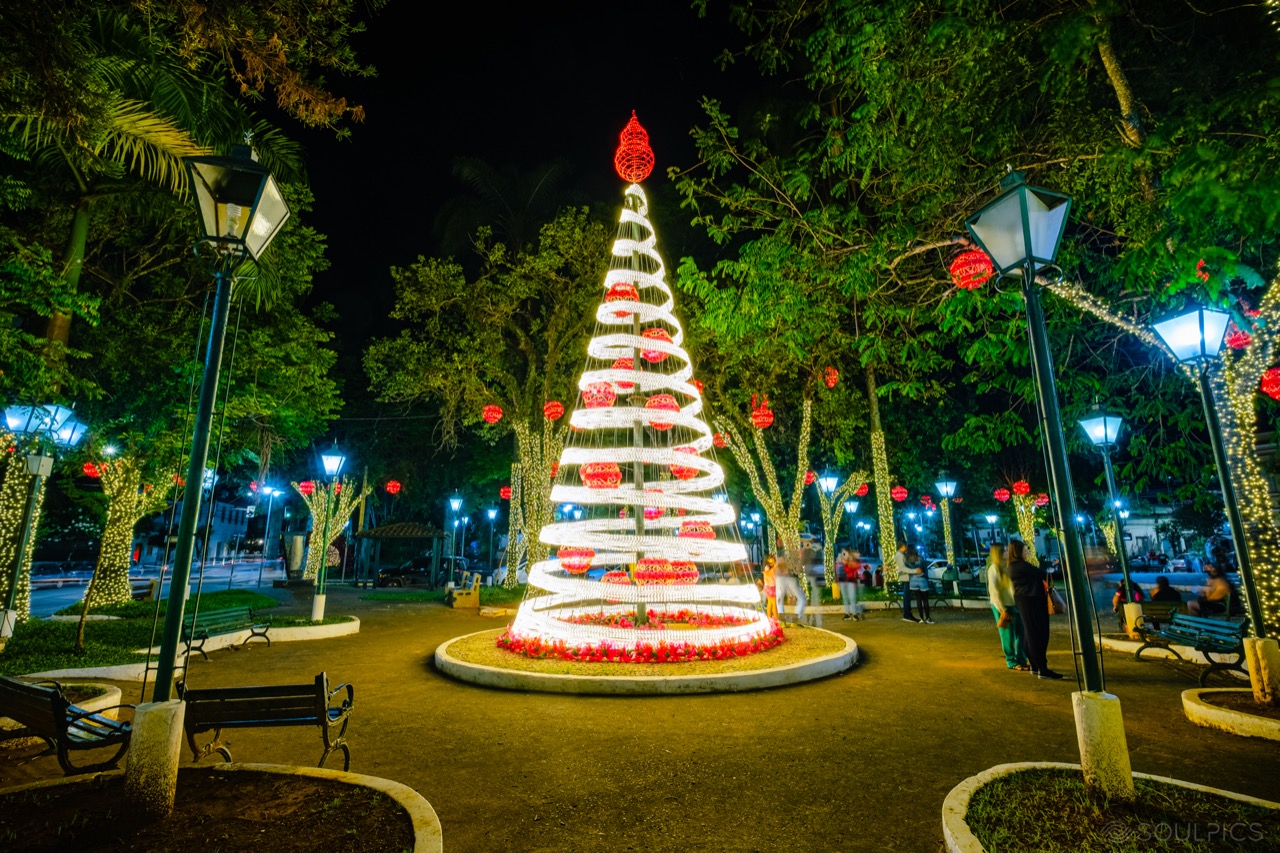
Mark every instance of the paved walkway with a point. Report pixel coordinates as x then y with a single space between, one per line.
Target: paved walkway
860 761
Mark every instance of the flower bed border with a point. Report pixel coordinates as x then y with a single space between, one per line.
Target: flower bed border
1235 722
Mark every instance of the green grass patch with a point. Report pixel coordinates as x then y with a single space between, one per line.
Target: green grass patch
38 645
219 600
1050 811
304 622
496 596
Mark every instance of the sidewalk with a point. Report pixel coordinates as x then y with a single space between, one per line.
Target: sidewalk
860 761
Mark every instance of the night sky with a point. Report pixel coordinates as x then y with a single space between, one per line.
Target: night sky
522 84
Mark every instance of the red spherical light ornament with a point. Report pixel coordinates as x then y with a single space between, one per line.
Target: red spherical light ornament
618 577
719 440
661 403
655 333
601 475
598 395
624 364
1271 383
307 487
970 270
898 493
622 291
1042 499
91 470
684 472
253 485
491 414
575 560
809 478
861 491
393 487
696 529
1001 495
505 493
1022 487
830 376
634 158
696 384
1236 338
553 410
555 468
762 415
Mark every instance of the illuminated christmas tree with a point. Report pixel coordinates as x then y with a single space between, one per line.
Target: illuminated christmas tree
637 563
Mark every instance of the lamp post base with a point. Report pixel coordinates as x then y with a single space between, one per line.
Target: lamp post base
151 770
317 607
8 620
1132 613
1104 752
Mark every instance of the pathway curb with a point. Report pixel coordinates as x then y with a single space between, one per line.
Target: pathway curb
1212 716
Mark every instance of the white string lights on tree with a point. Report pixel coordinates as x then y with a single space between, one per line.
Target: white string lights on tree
635 570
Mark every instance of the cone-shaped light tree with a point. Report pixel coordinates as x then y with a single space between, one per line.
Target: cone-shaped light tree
639 462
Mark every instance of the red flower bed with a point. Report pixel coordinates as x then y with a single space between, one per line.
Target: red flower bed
659 652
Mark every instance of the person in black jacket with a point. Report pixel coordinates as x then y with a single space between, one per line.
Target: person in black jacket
1033 608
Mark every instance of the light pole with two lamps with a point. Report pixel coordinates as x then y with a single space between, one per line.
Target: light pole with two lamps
1020 231
455 506
1104 431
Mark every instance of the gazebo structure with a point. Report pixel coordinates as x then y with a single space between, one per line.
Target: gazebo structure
404 540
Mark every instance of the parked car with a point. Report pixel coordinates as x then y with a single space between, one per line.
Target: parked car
417 572
47 575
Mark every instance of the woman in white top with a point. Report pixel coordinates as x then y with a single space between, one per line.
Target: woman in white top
1008 621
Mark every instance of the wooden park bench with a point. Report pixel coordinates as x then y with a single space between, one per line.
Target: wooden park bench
198 627
217 708
468 595
1207 636
1156 613
45 713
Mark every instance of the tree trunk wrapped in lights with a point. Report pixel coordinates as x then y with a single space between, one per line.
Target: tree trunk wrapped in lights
330 504
1024 508
128 502
880 468
1108 528
832 510
946 531
783 513
14 493
517 541
536 455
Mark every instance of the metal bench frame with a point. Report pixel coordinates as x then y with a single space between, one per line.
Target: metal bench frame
1207 636
217 708
198 627
45 713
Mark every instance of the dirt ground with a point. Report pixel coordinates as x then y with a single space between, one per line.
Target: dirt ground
860 761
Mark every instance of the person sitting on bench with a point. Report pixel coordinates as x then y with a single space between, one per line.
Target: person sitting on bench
1213 598
1164 592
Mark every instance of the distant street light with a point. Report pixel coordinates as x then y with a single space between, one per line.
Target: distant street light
332 460
492 514
1104 432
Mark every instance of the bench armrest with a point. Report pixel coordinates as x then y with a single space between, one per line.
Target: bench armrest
350 699
86 714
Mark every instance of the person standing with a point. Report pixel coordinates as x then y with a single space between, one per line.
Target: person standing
1005 610
1030 596
848 576
770 586
918 583
813 571
786 582
904 582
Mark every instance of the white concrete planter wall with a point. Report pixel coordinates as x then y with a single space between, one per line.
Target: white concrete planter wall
1211 716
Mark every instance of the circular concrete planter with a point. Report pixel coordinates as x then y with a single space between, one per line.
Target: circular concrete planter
651 685
108 700
1212 716
426 825
959 838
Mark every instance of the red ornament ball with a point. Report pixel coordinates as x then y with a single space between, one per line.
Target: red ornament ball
575 560
624 364
970 270
898 493
831 377
634 158
661 403
555 468
491 414
505 493
1271 383
762 416
618 577
598 395
253 485
1237 338
696 384
809 477
91 470
719 440
1001 495
1042 499
601 475
307 487
684 472
697 529
655 333
393 487
622 291
1022 487
861 491
553 410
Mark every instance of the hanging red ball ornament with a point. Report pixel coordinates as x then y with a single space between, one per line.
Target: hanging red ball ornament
505 493
696 384
253 485
719 440
1001 495
307 487
634 157
762 415
684 472
1022 487
555 468
598 395
91 470
972 269
655 333
1042 499
809 478
653 513
830 376
491 414
898 493
1236 338
619 577
1271 383
337 488
601 475
575 560
179 481
622 291
553 410
393 487
661 403
696 529
861 491
624 364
